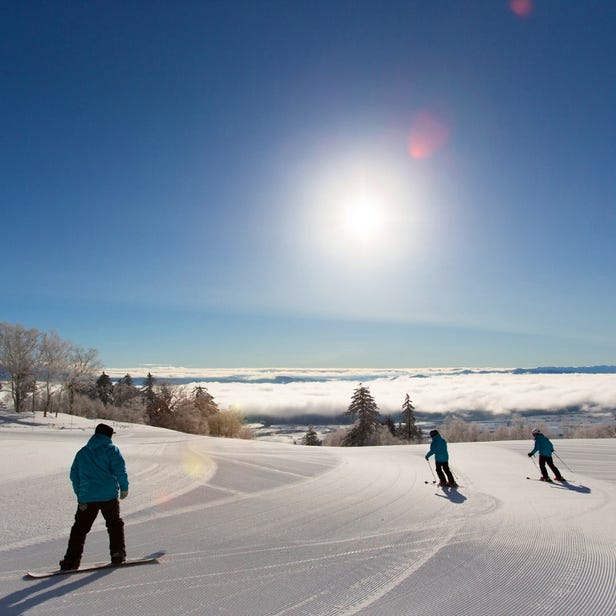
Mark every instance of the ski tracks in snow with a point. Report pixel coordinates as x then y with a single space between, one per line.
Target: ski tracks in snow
268 529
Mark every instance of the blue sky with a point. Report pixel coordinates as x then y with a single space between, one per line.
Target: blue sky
312 183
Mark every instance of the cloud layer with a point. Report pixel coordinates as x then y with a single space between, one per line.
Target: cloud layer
289 392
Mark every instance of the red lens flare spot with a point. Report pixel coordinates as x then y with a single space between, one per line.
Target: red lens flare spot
428 134
522 8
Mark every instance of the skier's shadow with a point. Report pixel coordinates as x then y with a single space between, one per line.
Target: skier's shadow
452 495
573 488
22 601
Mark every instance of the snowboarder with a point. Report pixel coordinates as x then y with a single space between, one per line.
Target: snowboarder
544 446
97 472
438 448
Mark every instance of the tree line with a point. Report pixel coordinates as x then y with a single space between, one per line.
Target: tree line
50 375
44 371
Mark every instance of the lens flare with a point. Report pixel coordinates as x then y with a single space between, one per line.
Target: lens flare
195 465
429 133
522 8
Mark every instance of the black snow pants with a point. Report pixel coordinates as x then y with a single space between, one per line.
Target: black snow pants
84 518
543 460
442 469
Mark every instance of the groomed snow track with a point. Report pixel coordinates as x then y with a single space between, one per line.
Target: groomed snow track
254 528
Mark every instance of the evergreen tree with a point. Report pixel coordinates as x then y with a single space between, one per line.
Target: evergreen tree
204 401
390 425
104 389
125 390
364 408
408 430
311 438
150 398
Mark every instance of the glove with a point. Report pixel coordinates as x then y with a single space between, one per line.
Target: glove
123 494
427 457
530 455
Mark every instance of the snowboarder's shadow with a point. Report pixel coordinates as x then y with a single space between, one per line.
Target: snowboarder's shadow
452 495
22 601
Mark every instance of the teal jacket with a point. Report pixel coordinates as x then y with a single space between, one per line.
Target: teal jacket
543 445
438 448
98 471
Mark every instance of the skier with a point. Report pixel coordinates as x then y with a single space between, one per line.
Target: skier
544 446
438 448
97 472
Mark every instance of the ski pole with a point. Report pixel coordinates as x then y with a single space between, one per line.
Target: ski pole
564 463
454 473
431 471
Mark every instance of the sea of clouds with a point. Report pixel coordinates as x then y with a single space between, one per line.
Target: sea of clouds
286 393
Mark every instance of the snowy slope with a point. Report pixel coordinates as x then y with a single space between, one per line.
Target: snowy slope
253 528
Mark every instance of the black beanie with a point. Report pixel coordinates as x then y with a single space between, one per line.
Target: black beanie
433 432
104 429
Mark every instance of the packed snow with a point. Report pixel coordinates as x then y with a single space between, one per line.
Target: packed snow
263 528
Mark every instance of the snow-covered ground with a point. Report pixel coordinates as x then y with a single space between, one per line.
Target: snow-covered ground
254 527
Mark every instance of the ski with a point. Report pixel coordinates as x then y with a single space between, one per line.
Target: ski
570 485
557 481
131 562
434 483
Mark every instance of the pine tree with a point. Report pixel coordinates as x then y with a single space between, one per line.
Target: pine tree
311 438
152 406
390 425
364 408
125 390
408 430
204 401
104 389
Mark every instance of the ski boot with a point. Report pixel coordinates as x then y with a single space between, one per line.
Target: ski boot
545 479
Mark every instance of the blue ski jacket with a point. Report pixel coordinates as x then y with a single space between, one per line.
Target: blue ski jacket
438 448
543 445
98 471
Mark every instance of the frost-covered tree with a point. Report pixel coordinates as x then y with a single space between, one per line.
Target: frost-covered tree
53 357
81 367
228 423
364 411
18 358
166 398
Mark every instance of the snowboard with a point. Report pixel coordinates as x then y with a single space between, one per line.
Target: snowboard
130 562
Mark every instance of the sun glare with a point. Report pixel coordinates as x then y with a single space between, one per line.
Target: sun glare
364 212
363 218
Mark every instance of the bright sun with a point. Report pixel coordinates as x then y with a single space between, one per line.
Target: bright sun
362 218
